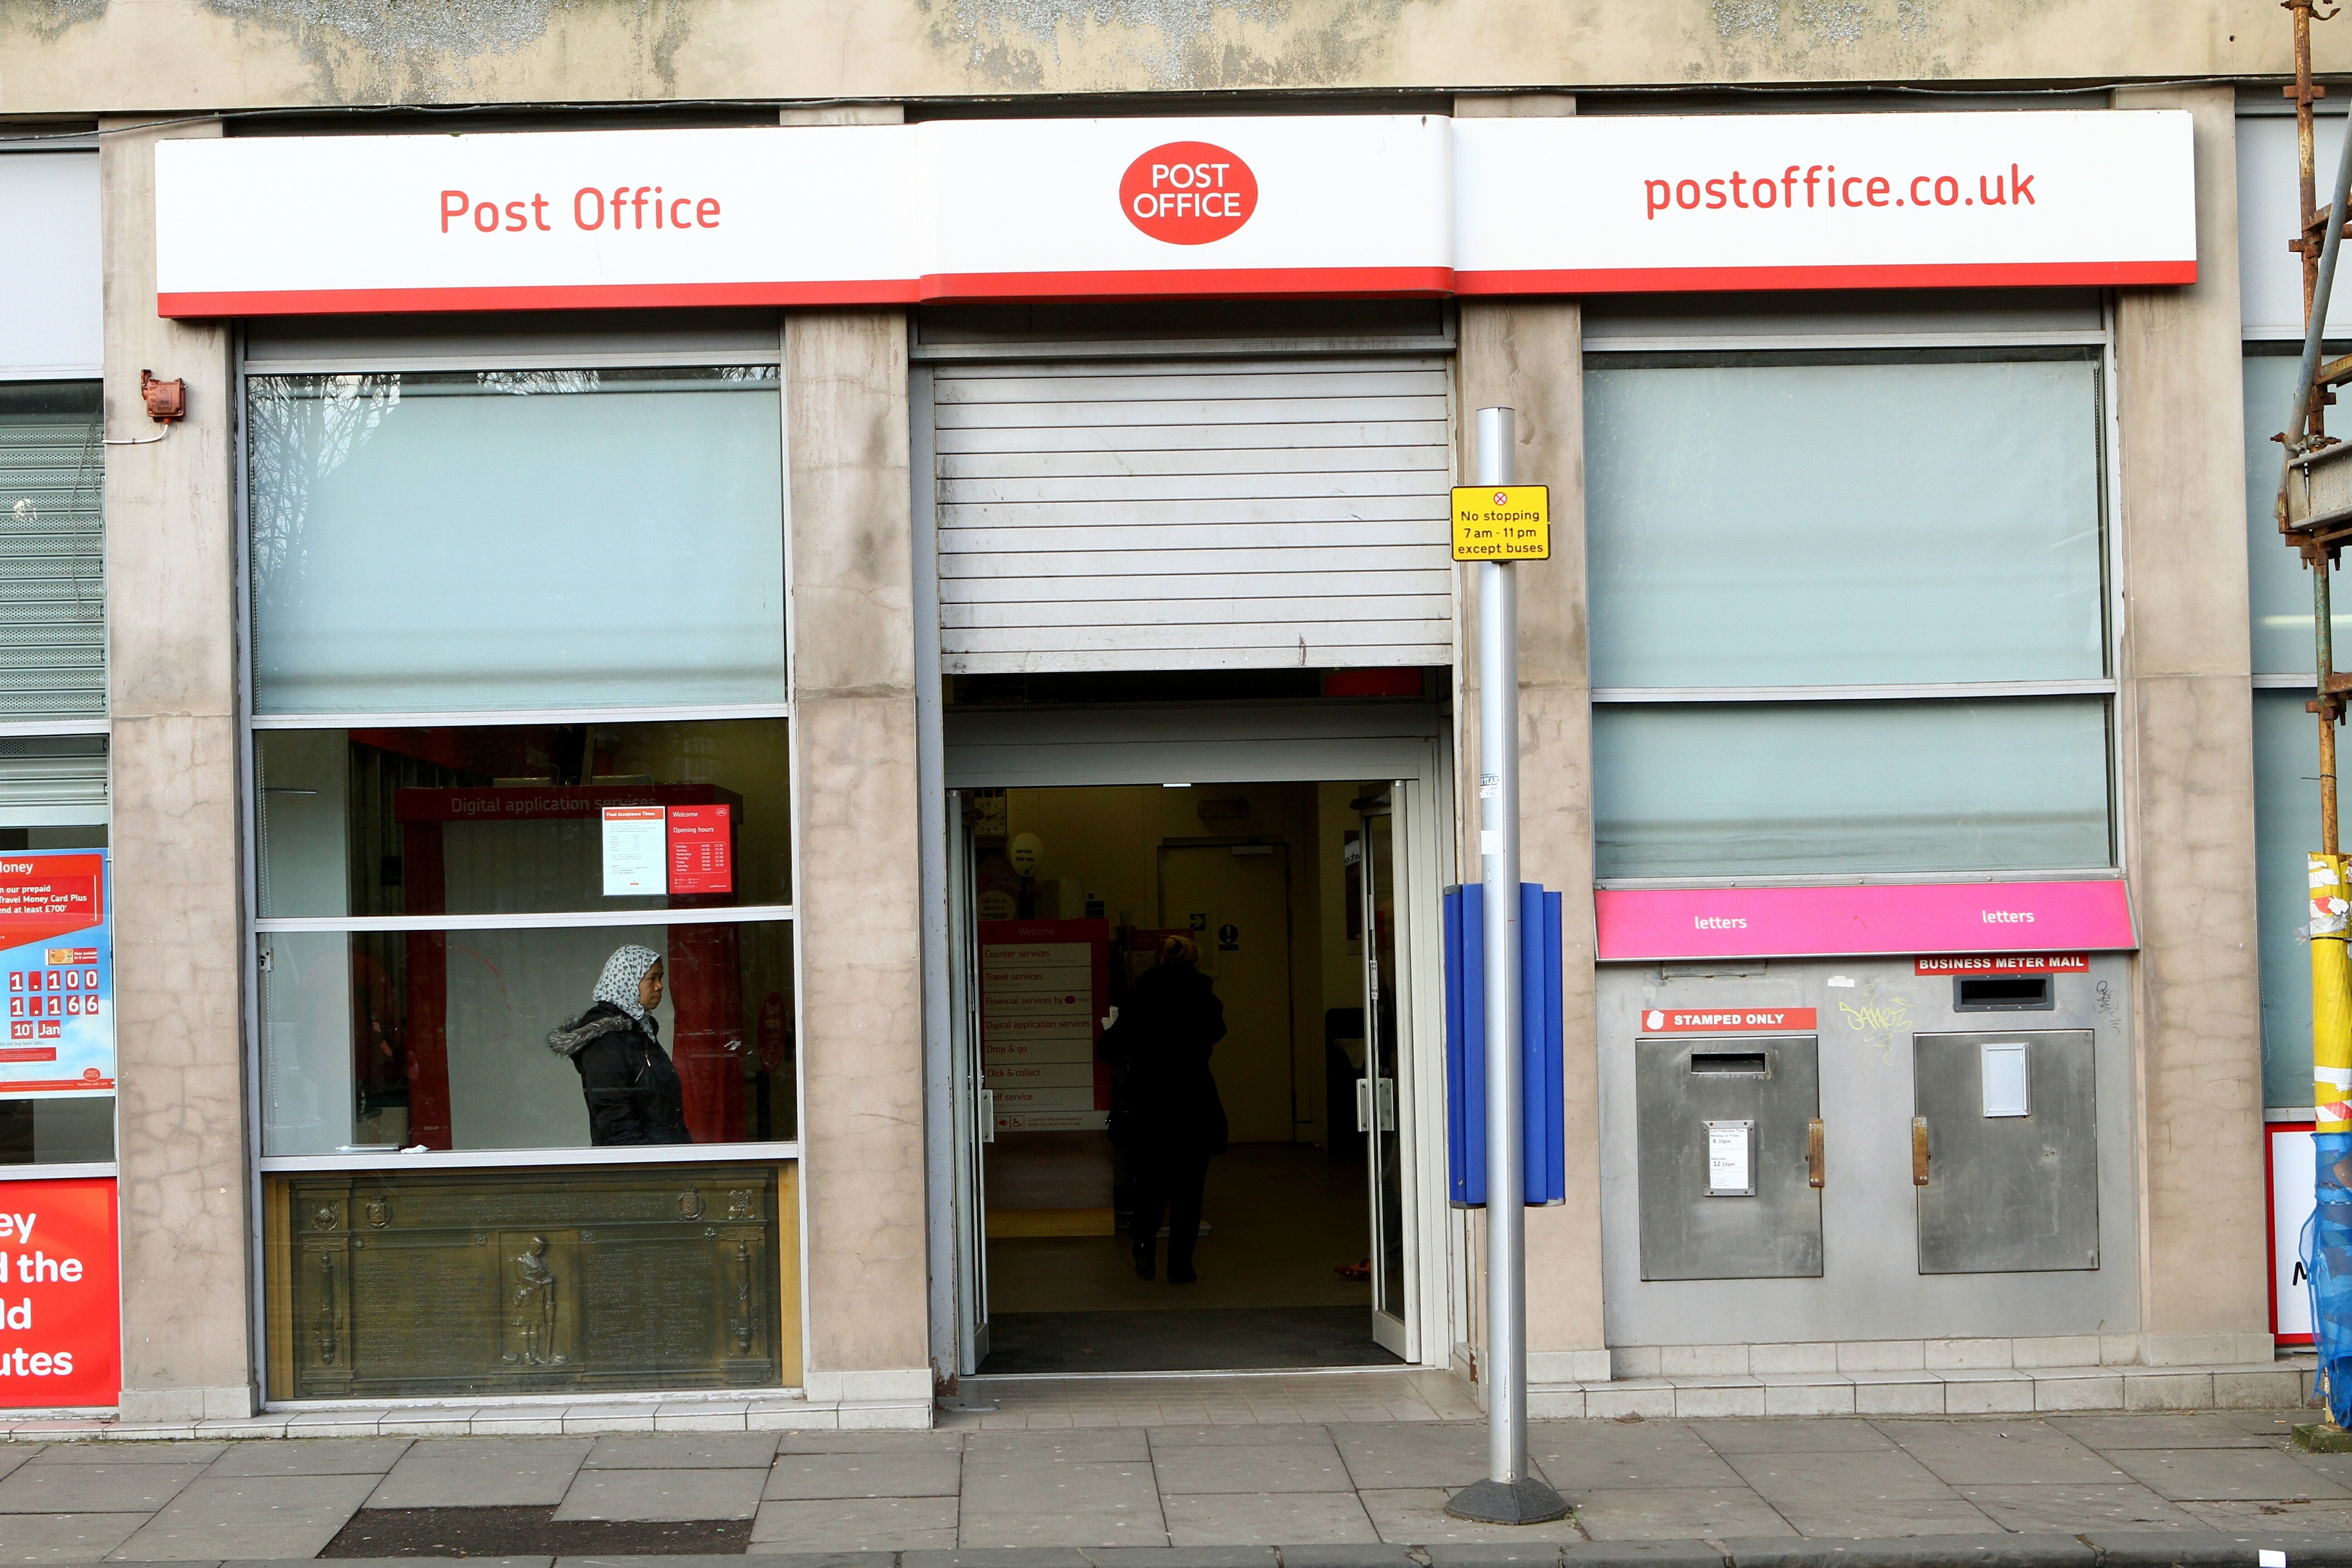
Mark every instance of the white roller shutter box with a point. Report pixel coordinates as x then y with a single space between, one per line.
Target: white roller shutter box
1194 514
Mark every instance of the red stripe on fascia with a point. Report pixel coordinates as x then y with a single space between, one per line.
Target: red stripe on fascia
529 296
45 1085
1891 275
1221 283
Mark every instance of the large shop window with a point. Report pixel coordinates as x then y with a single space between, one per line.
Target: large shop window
52 762
1918 528
523 879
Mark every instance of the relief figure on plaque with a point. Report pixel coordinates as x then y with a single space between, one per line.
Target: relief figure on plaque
632 1087
534 1309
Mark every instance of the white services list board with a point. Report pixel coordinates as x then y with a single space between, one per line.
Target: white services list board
1037 1017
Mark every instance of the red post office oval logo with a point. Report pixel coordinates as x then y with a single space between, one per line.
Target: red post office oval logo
1188 193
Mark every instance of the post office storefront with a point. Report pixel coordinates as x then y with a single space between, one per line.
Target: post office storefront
845 615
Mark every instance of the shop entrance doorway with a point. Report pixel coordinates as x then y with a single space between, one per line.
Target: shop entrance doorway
1062 900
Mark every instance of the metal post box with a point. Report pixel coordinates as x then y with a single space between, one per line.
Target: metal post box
2004 1151
1731 1157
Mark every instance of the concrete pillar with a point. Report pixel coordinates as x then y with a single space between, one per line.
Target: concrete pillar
1528 356
2185 716
171 575
859 901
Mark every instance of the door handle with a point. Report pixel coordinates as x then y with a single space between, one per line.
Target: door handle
1918 1150
1817 1172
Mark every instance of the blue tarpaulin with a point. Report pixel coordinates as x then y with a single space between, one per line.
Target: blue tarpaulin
2327 1264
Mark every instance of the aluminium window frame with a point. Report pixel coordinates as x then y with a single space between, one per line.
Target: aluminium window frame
1985 345
256 930
100 724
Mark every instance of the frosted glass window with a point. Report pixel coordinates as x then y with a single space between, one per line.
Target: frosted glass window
2286 828
469 541
2278 588
1838 788
1818 524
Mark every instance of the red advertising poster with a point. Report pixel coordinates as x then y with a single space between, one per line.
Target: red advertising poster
1687 1021
60 1307
701 849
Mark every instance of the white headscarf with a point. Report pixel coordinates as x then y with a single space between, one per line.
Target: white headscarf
618 984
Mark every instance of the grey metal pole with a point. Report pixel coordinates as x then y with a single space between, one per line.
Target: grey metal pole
1507 1496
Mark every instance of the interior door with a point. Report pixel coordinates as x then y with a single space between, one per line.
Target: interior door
1379 1100
975 1117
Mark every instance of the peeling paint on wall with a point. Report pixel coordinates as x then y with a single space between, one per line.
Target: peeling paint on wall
45 19
1734 19
1178 43
391 50
1833 21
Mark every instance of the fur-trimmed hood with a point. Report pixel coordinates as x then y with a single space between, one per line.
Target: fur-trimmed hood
604 1019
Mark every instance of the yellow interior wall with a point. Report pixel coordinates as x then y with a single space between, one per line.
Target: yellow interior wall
1108 838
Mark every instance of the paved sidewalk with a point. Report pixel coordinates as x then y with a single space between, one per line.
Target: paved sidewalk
2087 1489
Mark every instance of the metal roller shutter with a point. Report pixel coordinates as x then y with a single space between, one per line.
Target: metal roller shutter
1159 515
52 554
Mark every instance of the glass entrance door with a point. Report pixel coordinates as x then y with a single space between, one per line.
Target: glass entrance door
975 1116
1380 1107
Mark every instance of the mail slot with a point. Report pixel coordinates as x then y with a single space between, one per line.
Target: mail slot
1730 1158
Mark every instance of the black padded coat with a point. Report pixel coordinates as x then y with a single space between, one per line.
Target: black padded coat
632 1089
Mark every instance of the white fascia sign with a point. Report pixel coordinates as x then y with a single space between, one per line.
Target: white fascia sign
1232 207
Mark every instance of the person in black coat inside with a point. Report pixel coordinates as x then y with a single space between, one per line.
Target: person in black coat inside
633 1091
1167 1115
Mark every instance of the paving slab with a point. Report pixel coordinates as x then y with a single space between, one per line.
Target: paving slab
310 1457
94 1488
1062 1503
998 1557
1916 1552
482 1472
1245 1518
1650 1455
1890 1516
1416 1515
1289 1467
1993 1453
1793 1436
1269 1435
918 1473
1833 1478
1067 1444
843 1441
217 1518
2206 1475
12 1456
855 1524
2315 1518
682 1451
683 1493
1387 1458
768 1559
2106 1433
2070 1508
127 1453
65 1537
1675 1513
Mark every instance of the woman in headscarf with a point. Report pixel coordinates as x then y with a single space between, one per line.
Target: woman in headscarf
1166 1113
633 1091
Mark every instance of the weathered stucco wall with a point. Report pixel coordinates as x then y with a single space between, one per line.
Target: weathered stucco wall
80 56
